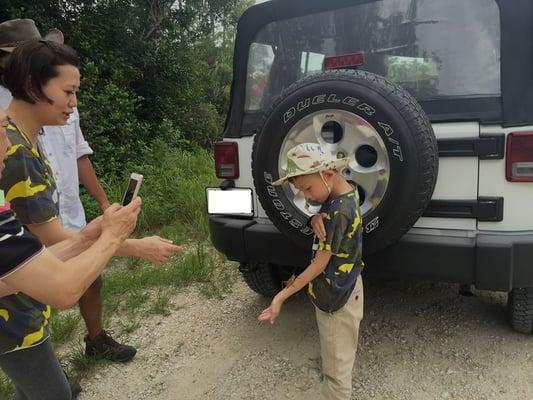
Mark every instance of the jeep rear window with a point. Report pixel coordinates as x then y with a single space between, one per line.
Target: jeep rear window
435 49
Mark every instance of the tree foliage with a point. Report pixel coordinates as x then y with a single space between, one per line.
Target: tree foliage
151 69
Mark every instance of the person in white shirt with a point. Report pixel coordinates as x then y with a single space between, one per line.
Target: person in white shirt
68 152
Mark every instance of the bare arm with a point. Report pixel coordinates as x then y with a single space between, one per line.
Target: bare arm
316 267
71 247
89 180
50 233
60 284
154 249
6 290
54 235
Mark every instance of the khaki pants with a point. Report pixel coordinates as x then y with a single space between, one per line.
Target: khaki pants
339 332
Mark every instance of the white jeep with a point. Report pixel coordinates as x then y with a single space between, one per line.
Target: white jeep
433 102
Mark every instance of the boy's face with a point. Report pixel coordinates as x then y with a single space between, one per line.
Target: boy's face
313 187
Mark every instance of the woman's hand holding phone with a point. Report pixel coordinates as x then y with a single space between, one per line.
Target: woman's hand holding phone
119 221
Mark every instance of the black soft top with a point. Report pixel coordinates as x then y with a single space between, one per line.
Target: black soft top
513 108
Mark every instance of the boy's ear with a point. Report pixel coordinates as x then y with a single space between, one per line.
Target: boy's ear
329 174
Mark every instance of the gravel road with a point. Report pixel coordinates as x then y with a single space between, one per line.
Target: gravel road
418 341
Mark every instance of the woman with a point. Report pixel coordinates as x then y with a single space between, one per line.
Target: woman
32 276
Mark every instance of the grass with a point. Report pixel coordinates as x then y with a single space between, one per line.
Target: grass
173 189
198 265
79 364
162 304
129 326
63 325
135 299
173 207
221 281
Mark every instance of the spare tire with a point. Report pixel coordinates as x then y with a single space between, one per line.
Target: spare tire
379 125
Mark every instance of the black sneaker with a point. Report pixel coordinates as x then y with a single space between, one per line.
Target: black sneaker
105 346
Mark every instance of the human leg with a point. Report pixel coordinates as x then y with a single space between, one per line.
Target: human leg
98 341
91 308
36 373
339 334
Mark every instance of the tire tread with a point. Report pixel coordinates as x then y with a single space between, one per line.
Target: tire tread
414 117
262 279
520 309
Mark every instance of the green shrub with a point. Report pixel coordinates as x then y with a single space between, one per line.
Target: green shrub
173 188
146 71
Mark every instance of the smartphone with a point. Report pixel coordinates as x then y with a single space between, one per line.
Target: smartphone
133 188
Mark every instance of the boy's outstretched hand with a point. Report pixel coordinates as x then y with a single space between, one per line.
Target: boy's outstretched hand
272 312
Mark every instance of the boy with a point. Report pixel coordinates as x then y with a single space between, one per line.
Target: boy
334 282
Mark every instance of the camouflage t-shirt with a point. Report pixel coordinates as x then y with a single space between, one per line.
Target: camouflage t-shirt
29 185
23 320
28 181
344 235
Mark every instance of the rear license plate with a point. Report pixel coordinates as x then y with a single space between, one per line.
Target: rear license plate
229 201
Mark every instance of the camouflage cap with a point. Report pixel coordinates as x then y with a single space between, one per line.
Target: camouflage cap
309 158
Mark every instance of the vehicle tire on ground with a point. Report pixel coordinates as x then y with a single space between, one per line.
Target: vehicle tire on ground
380 126
262 278
520 309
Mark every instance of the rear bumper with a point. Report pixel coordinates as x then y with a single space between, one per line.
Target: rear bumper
490 262
243 240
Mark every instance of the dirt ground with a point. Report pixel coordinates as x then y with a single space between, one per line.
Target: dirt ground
418 341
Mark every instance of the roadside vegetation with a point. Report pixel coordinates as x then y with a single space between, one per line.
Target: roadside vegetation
156 77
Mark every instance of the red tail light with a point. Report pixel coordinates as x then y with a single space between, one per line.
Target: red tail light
227 160
519 162
344 61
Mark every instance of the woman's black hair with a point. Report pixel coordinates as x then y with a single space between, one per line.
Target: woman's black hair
32 64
